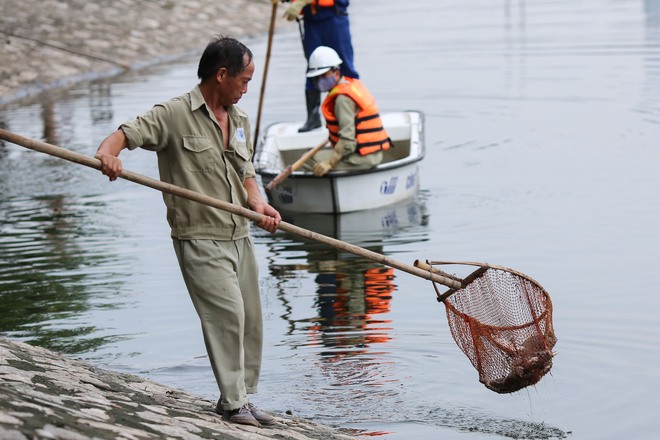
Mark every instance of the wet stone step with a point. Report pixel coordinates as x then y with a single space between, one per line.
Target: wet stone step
44 395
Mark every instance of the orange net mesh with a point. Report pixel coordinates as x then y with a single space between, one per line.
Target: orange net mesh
502 321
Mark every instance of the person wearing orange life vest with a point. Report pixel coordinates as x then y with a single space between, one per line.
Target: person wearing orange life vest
355 128
325 23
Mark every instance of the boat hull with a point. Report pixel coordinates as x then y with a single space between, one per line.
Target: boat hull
345 193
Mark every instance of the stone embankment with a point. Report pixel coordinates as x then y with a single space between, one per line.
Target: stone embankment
44 395
48 44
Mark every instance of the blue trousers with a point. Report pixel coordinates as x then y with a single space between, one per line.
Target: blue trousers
333 32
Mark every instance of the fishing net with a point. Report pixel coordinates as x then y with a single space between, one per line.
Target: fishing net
502 321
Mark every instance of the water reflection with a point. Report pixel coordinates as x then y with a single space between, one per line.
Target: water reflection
353 294
349 296
100 102
348 324
652 12
47 278
3 145
48 117
649 106
352 299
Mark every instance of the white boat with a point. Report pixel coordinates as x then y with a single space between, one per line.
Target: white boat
394 180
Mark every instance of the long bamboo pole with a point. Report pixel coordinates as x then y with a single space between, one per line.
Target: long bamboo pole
297 164
271 31
91 162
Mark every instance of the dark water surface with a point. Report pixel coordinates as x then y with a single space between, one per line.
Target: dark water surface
543 138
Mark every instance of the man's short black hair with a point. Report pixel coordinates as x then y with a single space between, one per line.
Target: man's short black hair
222 52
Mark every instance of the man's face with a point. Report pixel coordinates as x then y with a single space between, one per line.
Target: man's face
232 88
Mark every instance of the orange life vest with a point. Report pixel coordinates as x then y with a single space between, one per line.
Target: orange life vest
370 135
321 3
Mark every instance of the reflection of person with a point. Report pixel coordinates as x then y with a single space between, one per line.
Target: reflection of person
203 144
350 296
358 293
354 125
325 24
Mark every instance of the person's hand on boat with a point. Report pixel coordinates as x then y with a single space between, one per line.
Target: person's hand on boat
320 168
323 166
294 9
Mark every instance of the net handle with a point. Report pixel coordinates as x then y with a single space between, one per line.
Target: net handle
441 297
428 264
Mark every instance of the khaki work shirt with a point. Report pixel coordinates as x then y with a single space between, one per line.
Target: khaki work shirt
188 139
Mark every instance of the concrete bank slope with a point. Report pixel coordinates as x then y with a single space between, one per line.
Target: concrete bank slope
44 395
47 44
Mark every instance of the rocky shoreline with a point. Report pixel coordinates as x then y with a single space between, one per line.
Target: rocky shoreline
48 44
44 395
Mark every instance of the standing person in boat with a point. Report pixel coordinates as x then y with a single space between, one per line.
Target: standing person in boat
325 23
203 143
354 124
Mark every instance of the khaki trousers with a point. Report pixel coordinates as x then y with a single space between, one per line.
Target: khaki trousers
223 283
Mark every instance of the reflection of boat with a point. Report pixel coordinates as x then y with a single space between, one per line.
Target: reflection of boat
364 228
394 180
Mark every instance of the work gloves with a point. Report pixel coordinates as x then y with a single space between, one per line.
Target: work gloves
320 168
293 11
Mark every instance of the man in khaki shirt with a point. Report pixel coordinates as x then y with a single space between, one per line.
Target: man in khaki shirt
203 144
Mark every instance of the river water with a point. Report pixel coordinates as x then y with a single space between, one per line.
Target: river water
543 154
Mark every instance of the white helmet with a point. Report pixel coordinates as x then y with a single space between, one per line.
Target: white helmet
321 60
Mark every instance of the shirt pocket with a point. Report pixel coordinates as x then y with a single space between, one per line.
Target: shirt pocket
198 154
238 157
